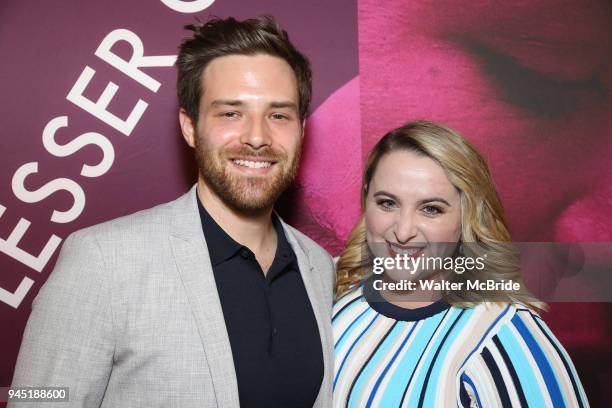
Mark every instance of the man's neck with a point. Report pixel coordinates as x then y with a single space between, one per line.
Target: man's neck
256 232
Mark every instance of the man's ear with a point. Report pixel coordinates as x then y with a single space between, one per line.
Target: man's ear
303 126
187 127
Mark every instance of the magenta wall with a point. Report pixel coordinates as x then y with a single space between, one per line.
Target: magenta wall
528 83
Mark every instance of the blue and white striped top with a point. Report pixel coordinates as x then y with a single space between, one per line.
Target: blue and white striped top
490 355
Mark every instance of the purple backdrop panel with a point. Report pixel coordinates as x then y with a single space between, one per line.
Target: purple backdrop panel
90 129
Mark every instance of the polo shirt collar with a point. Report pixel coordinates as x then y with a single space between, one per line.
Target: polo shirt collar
222 247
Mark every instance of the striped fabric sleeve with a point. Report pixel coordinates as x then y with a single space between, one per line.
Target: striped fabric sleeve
523 364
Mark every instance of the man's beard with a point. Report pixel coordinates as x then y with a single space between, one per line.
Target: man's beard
247 194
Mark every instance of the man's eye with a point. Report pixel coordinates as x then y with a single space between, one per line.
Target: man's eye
386 204
279 116
230 115
431 210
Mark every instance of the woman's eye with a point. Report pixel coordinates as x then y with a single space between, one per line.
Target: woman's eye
431 210
386 204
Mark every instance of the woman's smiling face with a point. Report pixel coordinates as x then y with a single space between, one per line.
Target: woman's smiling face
411 209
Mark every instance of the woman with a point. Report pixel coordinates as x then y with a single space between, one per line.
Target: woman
428 194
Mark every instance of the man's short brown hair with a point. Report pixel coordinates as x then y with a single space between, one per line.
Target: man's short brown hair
221 37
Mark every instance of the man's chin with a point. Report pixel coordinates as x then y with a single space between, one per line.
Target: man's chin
245 192
251 206
249 198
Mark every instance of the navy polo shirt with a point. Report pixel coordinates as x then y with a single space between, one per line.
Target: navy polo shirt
270 322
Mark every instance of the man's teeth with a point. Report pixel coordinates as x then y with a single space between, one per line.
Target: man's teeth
253 164
410 251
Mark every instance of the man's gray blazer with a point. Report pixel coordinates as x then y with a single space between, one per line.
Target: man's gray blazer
130 316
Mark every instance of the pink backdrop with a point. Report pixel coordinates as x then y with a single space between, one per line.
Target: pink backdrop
528 82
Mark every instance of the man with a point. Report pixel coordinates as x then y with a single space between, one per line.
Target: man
210 300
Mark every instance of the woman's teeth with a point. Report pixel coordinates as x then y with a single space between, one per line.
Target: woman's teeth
408 251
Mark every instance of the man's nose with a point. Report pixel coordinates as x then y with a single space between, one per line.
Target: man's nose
257 133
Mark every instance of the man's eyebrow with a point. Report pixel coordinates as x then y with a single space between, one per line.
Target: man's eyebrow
226 102
283 104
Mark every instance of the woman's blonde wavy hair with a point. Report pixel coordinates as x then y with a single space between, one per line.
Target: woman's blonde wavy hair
484 229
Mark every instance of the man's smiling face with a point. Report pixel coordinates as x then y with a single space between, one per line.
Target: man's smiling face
249 133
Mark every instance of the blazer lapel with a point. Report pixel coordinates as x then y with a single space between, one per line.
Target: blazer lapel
322 312
193 262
